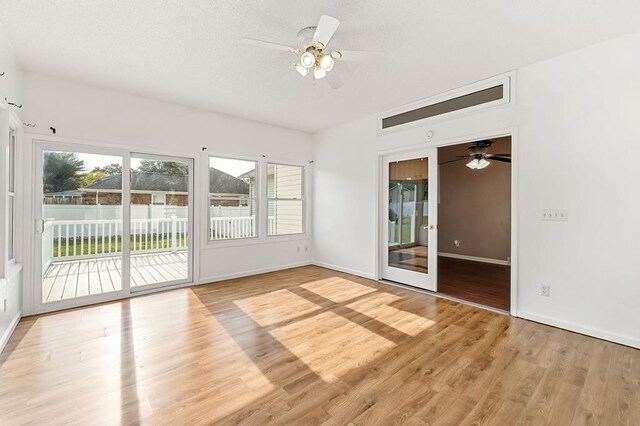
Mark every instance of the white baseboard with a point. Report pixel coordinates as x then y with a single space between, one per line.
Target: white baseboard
9 331
475 258
249 273
634 342
345 270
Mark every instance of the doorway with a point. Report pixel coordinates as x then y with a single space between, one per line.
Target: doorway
450 233
101 232
474 244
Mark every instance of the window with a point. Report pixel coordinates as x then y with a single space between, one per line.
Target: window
12 197
232 198
159 199
285 199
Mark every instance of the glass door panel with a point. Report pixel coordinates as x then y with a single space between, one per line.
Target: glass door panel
161 212
409 226
408 213
395 213
81 222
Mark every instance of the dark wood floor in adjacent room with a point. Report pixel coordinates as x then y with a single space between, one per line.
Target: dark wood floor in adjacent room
478 282
309 346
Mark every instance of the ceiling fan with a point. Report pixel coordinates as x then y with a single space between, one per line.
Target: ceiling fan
314 60
479 156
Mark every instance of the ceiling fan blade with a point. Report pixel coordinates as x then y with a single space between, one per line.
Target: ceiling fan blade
268 44
499 155
503 159
453 161
356 55
334 80
464 156
326 28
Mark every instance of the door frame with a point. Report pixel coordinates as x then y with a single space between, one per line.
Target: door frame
31 280
436 142
405 276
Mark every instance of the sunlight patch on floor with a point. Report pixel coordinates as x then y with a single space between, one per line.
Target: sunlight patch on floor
335 347
337 289
378 307
275 307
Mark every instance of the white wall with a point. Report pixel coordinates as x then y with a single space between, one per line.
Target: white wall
101 117
10 274
577 122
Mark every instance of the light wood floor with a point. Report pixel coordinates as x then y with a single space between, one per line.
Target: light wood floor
307 346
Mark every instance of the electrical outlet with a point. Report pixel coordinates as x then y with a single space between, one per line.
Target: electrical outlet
298 249
545 290
306 249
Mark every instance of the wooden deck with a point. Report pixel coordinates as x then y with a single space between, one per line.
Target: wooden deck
71 279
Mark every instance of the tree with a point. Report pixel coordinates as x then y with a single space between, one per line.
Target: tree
99 173
163 167
110 170
61 171
92 176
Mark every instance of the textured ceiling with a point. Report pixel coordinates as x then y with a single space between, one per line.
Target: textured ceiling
189 51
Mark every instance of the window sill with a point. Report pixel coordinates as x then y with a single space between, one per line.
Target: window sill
274 239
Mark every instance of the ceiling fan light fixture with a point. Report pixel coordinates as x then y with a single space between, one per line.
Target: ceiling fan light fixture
319 73
478 164
307 59
302 70
326 62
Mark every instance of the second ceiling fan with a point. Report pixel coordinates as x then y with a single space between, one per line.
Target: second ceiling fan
315 60
480 156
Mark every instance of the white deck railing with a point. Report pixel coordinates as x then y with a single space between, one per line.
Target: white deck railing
81 239
224 228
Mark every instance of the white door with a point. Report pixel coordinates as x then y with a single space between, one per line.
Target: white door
409 205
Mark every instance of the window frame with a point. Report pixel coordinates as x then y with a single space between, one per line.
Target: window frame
256 198
11 195
303 199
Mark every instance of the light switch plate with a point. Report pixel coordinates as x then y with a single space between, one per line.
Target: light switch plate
556 215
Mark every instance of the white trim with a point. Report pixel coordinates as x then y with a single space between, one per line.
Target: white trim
9 331
634 342
475 258
243 274
345 270
507 80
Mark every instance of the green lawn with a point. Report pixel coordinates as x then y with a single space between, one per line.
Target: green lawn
96 245
406 229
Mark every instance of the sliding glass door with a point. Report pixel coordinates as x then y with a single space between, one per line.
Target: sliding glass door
92 249
81 225
161 218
